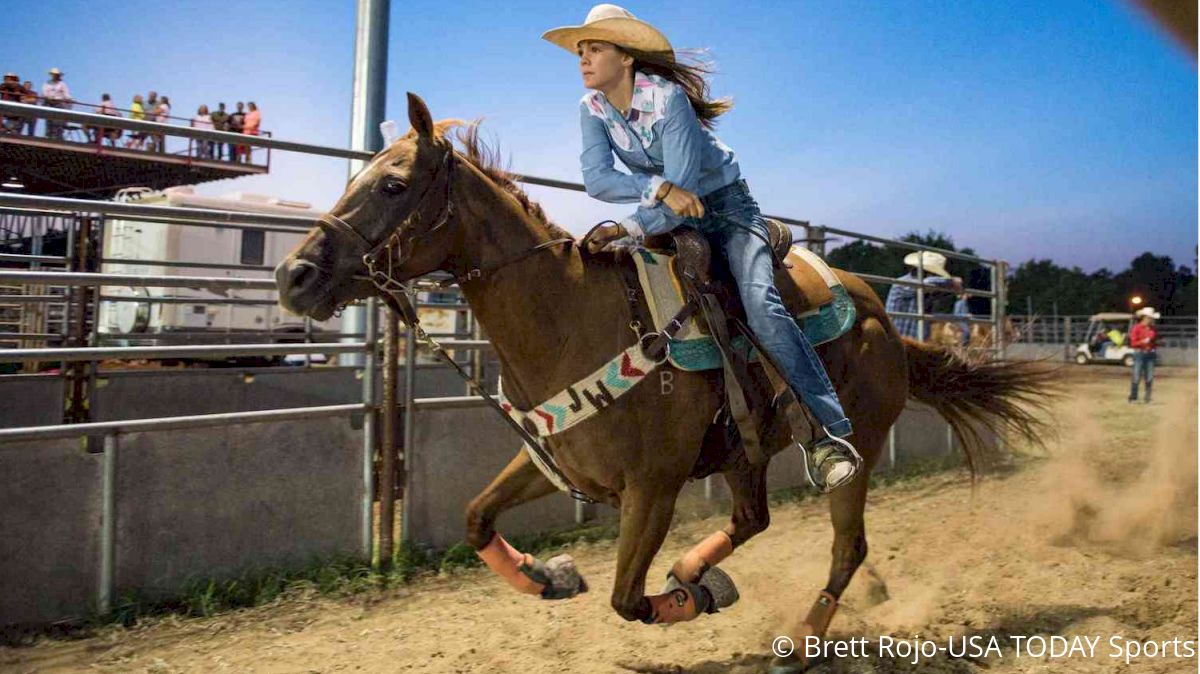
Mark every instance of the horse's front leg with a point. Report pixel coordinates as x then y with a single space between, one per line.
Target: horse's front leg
646 512
519 482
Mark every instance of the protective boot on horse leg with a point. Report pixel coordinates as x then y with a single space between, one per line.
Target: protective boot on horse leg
747 485
520 482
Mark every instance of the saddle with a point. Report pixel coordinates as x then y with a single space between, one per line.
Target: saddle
679 268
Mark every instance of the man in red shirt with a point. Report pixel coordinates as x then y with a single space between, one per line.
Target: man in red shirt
1144 340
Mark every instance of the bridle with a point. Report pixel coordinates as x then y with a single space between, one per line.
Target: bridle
383 258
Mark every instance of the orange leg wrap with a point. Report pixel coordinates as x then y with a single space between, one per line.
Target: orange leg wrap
506 562
816 623
676 606
707 553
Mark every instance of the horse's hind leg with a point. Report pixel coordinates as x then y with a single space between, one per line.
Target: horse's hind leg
748 486
519 482
849 551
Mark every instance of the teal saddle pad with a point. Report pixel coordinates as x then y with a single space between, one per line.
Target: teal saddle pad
832 321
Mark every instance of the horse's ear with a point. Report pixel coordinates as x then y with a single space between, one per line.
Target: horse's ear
419 117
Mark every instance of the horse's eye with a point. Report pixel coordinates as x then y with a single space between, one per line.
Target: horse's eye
393 185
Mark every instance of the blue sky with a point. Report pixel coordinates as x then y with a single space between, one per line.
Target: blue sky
1062 130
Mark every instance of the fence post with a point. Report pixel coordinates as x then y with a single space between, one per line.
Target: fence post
108 524
892 447
387 448
1002 307
1068 339
816 239
921 296
368 448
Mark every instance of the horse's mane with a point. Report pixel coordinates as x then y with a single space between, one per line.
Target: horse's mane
488 161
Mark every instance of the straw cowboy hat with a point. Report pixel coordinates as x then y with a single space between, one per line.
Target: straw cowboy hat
934 263
55 71
1149 311
610 23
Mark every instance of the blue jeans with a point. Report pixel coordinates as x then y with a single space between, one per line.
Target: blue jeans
728 213
1143 369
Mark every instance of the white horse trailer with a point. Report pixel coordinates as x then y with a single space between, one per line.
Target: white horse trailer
186 312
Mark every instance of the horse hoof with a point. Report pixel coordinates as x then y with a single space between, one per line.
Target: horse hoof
564 578
794 664
720 586
717 582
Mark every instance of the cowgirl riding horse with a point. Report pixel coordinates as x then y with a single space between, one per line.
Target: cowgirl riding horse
653 112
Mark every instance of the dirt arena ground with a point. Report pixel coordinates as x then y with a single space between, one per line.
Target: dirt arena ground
1097 539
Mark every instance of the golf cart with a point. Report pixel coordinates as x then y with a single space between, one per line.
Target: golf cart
1099 347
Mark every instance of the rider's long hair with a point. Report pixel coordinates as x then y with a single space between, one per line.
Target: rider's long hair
691 75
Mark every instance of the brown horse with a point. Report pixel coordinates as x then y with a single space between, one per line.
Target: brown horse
553 316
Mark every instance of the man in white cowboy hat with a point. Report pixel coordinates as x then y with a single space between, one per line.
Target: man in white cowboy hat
55 94
902 298
1144 340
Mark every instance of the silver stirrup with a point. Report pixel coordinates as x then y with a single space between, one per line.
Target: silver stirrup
820 484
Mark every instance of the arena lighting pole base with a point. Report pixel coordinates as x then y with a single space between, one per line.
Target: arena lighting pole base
366 114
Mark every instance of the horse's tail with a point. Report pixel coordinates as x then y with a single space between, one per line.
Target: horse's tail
974 394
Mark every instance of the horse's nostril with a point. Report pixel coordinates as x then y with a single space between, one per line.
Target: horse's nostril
302 275
300 278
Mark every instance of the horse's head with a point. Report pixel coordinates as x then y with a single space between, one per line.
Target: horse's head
391 221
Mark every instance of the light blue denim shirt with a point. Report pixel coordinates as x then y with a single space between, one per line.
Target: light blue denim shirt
660 140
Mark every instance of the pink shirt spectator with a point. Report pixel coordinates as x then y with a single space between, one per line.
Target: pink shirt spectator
253 119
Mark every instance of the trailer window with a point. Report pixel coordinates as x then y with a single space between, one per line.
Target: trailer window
252 246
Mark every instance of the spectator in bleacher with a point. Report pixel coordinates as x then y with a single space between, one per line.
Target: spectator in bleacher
55 94
106 107
151 109
29 98
162 115
136 112
203 120
220 120
251 125
236 122
11 91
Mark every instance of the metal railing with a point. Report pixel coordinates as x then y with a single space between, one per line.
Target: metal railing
1173 331
94 133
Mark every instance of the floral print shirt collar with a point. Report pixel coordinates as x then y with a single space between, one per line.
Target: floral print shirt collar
648 105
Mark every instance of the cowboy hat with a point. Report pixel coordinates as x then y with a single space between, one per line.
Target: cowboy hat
55 71
1149 311
610 23
932 262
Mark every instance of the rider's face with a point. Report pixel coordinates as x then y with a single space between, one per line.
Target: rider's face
602 64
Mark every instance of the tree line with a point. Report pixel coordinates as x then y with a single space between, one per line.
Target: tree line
1038 286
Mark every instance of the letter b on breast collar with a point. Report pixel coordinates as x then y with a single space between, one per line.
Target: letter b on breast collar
666 380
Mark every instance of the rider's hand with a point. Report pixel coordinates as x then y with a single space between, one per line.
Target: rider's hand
604 236
683 203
